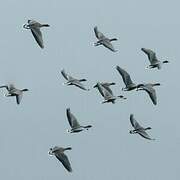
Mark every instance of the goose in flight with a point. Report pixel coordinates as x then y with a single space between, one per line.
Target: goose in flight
138 128
108 94
126 79
73 81
35 26
103 40
150 90
59 153
154 62
12 91
75 126
106 85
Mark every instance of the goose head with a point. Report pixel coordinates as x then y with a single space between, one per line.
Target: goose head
82 80
113 39
87 127
148 128
25 90
165 62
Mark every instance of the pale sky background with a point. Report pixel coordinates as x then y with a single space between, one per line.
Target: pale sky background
107 151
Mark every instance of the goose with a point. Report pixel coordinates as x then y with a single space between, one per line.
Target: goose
106 85
103 40
35 26
150 90
59 153
75 126
126 79
12 91
139 129
108 95
73 81
154 62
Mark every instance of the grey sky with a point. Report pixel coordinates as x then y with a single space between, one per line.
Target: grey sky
106 151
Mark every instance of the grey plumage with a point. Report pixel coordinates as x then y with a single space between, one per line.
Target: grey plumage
103 40
35 26
61 156
73 122
106 85
150 90
107 93
154 62
126 79
12 91
73 81
138 128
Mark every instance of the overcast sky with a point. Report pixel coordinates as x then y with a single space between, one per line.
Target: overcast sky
107 151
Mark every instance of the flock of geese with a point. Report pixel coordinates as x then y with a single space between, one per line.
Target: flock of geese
104 88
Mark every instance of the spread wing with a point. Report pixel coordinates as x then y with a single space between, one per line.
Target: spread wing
100 88
66 76
79 84
18 98
134 123
108 45
125 76
72 119
151 55
143 133
107 88
151 92
37 35
98 34
64 160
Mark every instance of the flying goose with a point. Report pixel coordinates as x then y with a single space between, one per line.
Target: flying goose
35 26
154 62
108 95
103 40
59 153
138 128
126 79
106 85
75 126
12 91
150 90
73 81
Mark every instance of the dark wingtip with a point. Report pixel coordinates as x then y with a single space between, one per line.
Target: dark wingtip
68 109
95 86
131 115
117 67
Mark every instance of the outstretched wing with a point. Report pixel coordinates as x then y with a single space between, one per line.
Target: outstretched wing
107 88
64 160
144 134
98 34
18 98
134 123
72 119
37 35
125 76
100 88
66 76
108 45
79 84
151 92
151 55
